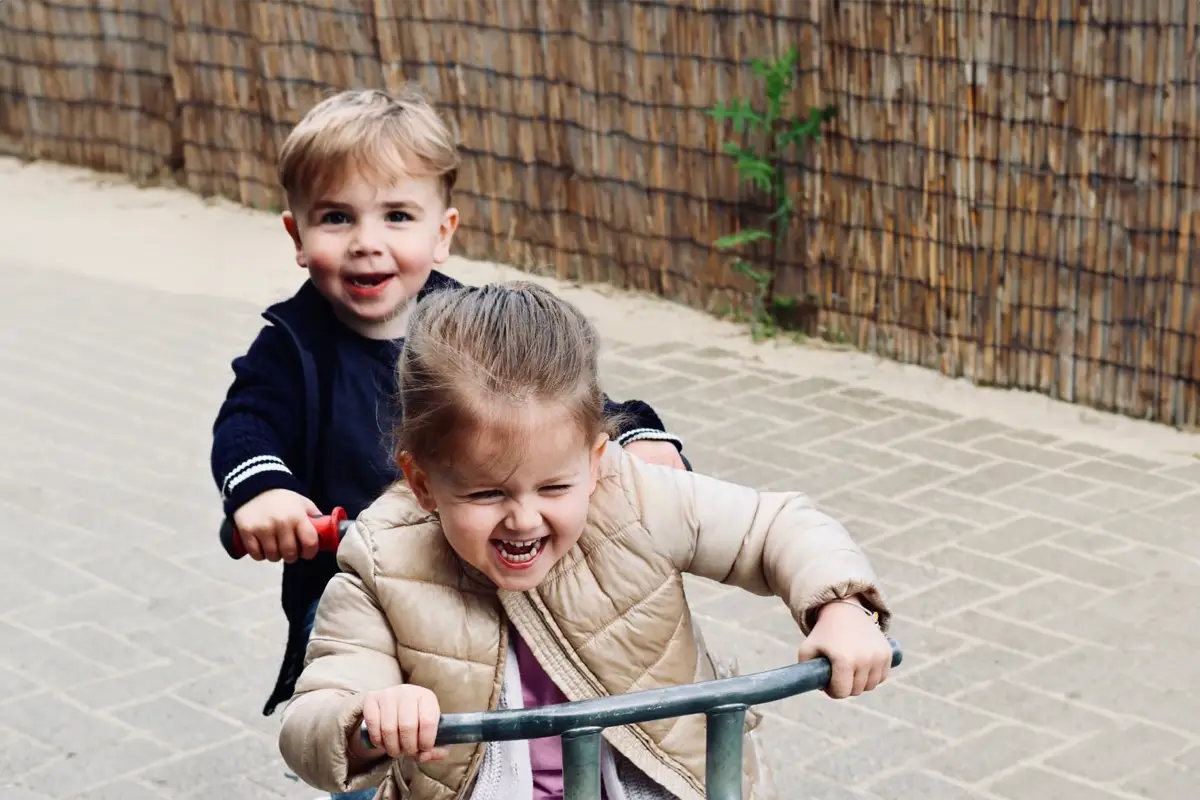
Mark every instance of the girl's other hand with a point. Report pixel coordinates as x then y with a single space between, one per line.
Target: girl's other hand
403 721
847 635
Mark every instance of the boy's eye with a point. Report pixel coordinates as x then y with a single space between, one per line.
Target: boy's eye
398 216
335 218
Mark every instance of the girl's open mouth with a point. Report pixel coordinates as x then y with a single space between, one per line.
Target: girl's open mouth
518 555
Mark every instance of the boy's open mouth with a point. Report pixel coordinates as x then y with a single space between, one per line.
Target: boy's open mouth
368 281
518 555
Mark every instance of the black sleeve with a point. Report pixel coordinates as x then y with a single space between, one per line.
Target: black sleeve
639 421
259 432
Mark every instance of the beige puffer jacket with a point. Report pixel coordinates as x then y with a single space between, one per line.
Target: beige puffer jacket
610 618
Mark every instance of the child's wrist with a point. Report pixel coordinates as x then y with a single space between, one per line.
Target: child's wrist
853 601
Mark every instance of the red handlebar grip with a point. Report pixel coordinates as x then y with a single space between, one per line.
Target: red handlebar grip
329 534
328 527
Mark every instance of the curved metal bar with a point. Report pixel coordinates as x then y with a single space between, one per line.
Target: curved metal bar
635 707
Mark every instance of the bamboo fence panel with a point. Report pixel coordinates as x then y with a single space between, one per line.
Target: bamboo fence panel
87 83
1009 192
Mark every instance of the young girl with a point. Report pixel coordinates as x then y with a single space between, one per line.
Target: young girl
526 560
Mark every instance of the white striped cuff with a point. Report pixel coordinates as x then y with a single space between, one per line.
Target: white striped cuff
648 434
248 469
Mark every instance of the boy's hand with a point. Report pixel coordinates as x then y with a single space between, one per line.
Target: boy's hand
656 452
402 721
277 525
856 648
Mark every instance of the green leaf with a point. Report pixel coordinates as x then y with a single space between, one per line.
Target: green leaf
740 238
758 172
736 150
784 209
760 277
741 113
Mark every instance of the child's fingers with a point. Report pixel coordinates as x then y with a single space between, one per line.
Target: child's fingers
428 717
862 676
406 725
878 675
841 681
371 720
250 542
436 754
266 540
289 544
389 727
306 538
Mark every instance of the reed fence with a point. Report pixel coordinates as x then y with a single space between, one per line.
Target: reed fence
1009 192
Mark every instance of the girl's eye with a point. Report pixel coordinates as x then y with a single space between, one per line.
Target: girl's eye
491 494
335 218
398 216
556 488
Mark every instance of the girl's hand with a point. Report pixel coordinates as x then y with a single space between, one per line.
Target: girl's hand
403 721
856 648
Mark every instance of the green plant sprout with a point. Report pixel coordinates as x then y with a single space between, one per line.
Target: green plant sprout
766 172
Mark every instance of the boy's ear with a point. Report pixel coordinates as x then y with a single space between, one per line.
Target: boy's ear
445 235
418 481
289 224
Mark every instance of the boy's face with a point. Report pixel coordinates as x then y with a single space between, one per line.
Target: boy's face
369 249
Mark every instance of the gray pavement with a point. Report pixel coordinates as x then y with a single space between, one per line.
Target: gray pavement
1045 587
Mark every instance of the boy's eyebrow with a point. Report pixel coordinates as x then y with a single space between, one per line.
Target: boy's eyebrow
402 203
325 205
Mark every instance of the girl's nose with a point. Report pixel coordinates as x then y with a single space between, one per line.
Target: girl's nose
523 518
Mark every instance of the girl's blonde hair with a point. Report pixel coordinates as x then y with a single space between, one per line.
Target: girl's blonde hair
474 357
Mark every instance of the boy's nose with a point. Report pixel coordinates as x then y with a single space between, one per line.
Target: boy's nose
367 241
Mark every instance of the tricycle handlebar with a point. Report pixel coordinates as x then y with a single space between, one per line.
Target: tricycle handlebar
636 707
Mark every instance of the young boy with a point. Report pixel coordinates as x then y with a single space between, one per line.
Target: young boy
302 429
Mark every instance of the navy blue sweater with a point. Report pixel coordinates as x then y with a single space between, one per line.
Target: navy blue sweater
310 409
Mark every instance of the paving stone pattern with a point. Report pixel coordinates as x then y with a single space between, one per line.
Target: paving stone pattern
1045 589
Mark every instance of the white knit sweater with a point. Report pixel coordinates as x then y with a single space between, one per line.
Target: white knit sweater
506 773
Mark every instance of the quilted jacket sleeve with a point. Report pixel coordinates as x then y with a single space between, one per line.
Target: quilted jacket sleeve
764 542
352 651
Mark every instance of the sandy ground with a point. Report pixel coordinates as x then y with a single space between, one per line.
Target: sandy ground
62 217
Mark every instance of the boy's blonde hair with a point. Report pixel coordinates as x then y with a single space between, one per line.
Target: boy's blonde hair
474 354
370 133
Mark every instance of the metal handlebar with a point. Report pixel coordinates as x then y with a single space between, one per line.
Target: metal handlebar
724 701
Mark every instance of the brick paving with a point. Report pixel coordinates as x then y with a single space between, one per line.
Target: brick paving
1042 584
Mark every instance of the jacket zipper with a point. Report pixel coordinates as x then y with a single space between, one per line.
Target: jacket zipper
476 762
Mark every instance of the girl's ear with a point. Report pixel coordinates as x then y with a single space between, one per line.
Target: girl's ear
418 481
594 454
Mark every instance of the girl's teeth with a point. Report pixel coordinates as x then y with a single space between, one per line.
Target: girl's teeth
518 553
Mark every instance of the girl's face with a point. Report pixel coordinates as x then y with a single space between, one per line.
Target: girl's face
512 513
